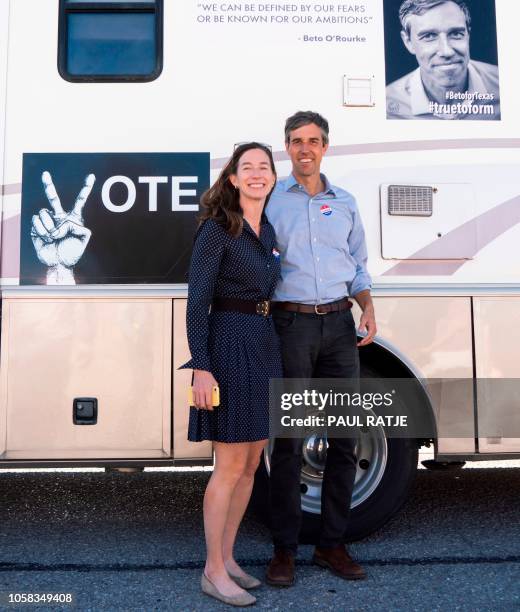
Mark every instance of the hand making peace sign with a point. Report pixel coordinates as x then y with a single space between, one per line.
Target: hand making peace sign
60 238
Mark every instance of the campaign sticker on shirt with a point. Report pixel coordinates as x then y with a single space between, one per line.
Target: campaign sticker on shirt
276 253
326 210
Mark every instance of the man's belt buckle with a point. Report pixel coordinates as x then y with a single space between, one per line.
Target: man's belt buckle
316 306
262 308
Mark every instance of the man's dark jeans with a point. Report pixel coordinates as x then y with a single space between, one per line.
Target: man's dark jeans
314 346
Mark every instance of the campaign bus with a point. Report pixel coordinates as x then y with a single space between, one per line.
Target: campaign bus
116 115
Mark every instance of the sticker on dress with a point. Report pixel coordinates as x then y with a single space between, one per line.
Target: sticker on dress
276 253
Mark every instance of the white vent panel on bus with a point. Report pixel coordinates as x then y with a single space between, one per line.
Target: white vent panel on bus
427 221
411 200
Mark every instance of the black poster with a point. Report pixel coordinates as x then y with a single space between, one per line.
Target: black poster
109 217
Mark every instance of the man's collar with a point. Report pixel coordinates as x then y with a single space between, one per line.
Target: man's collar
328 187
420 102
291 184
475 82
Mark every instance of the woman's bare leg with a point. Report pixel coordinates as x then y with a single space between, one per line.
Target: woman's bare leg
238 505
230 463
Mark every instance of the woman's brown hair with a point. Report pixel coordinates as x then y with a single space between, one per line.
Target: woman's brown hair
221 201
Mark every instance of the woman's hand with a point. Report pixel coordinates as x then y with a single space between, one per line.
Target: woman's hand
203 383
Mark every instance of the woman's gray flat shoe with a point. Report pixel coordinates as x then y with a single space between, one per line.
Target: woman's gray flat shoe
245 599
246 582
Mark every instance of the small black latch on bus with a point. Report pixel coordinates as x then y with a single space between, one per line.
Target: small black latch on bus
84 411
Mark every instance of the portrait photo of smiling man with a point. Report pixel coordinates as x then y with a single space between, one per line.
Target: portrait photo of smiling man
440 38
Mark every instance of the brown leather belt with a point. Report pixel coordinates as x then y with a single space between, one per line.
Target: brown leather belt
262 308
320 309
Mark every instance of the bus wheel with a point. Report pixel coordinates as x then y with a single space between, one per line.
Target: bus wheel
385 472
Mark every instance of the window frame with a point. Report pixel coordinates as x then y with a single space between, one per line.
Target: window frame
66 8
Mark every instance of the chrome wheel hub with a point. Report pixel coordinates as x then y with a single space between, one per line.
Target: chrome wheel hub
372 456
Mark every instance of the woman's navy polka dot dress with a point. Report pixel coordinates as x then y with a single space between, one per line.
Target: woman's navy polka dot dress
241 350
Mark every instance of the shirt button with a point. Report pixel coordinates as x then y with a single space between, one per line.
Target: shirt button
314 239
317 258
313 219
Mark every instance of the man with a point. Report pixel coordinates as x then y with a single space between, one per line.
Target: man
447 84
323 260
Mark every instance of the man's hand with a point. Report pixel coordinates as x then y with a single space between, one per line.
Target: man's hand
60 238
203 383
367 322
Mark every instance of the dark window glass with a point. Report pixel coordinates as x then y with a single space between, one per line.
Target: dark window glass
109 43
106 40
109 1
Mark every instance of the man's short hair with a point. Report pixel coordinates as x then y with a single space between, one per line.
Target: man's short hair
419 7
302 118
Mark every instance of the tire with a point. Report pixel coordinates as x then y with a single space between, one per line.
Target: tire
385 473
373 503
390 494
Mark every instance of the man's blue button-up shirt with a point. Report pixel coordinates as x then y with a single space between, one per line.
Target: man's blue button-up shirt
321 242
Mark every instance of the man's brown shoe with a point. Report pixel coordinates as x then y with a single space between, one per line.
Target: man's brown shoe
339 562
280 572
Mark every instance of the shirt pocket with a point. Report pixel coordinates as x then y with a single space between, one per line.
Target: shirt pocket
334 226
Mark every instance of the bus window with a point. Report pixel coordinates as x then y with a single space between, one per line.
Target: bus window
110 40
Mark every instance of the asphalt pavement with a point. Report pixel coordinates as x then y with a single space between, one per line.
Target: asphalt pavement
135 542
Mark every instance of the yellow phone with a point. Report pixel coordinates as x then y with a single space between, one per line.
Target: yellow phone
215 396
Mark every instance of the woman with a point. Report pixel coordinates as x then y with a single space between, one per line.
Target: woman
234 269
